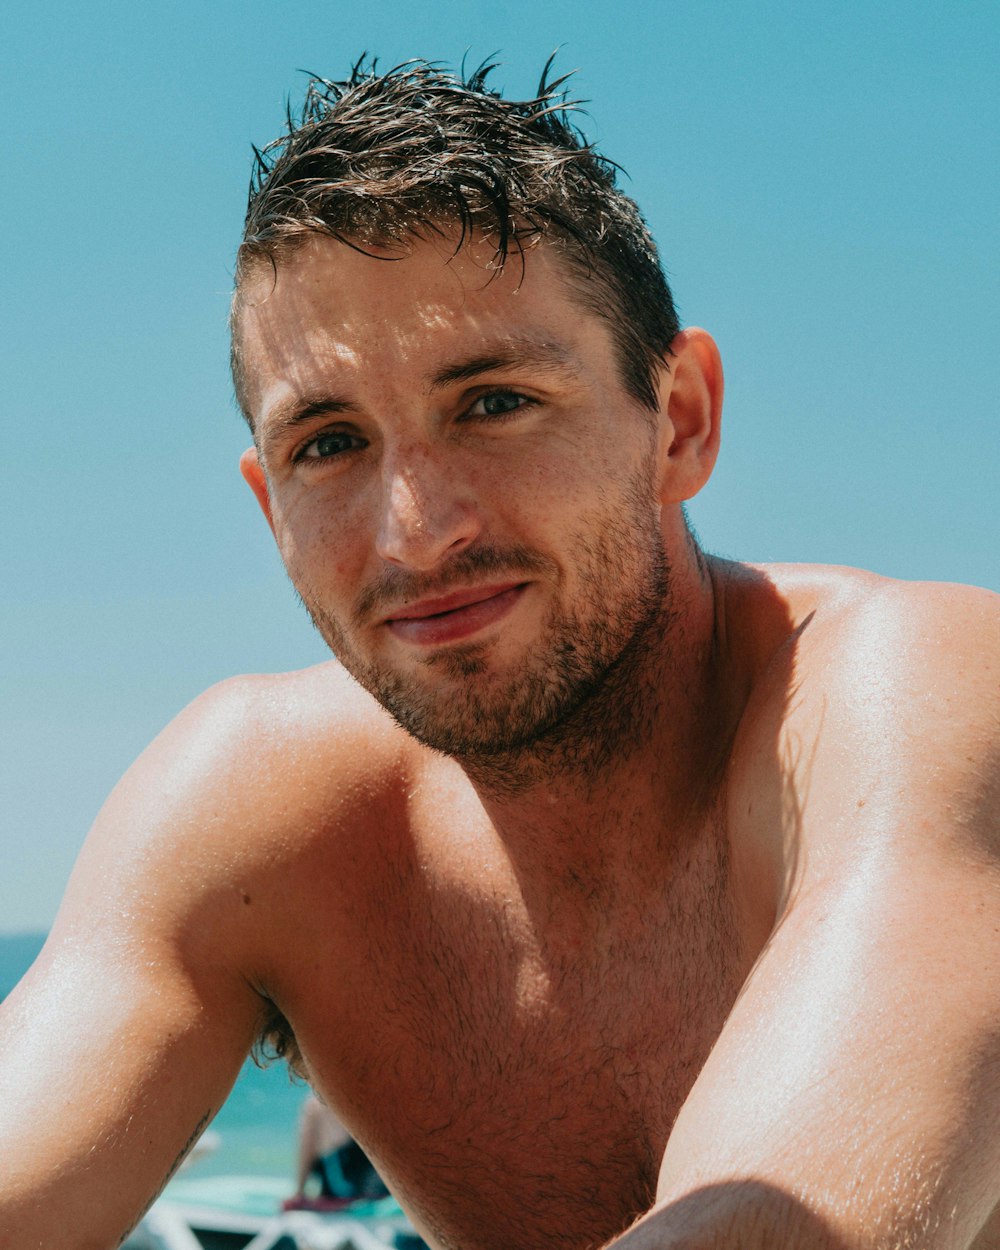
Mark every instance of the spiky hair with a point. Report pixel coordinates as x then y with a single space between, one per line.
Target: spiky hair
381 159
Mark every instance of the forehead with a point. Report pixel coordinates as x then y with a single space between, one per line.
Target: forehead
328 309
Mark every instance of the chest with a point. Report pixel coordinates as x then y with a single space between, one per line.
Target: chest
517 1081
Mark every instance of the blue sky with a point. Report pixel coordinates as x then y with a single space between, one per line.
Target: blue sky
822 180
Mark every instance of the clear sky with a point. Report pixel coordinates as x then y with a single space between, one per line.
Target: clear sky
823 183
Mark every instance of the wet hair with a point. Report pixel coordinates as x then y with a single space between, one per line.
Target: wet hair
380 160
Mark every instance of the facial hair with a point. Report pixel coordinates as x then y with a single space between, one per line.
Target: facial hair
584 689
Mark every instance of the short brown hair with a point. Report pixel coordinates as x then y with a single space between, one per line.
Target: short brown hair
382 158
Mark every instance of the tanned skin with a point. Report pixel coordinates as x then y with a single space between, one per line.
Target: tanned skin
688 933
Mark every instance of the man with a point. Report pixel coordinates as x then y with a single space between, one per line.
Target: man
611 894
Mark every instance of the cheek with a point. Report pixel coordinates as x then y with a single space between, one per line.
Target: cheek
320 546
568 484
540 474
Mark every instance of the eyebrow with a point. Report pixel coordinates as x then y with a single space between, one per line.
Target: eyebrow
545 355
287 416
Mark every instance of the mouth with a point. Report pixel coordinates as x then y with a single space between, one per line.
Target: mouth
454 617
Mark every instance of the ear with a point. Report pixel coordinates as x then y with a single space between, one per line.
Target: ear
691 414
253 475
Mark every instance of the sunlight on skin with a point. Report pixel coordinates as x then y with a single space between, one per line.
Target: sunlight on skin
556 486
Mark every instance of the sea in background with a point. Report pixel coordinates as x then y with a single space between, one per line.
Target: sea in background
257 1124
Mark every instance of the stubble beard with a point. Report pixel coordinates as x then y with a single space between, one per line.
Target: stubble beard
588 688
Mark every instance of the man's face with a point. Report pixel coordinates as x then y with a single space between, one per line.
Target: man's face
462 491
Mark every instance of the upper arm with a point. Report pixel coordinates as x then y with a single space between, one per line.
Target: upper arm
127 1034
859 1072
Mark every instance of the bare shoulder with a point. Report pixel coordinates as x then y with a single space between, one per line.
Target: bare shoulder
127 1033
249 781
914 661
282 742
864 608
865 812
892 674
871 698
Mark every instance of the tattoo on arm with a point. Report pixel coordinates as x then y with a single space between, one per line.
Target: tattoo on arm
196 1133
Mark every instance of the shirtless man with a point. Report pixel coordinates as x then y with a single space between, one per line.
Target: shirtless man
611 894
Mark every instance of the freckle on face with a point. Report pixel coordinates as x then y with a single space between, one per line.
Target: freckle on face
459 700
596 560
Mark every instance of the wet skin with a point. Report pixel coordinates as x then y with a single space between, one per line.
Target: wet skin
700 912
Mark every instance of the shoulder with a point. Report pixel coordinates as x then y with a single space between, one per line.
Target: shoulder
872 721
905 659
268 748
261 726
252 782
865 829
279 710
190 898
895 671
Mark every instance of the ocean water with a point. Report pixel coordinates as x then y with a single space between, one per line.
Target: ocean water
257 1125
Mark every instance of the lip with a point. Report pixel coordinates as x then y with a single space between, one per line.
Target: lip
456 616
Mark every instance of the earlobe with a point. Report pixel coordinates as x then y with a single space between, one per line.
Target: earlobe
691 402
253 475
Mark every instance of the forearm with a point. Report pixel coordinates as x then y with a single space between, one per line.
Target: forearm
737 1215
109 1077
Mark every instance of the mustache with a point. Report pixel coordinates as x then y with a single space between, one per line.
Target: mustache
395 586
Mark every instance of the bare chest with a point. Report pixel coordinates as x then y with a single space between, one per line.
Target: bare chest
515 1086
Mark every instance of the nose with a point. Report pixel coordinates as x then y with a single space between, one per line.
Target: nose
427 513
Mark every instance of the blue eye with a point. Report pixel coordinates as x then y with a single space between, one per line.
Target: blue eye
333 443
498 404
